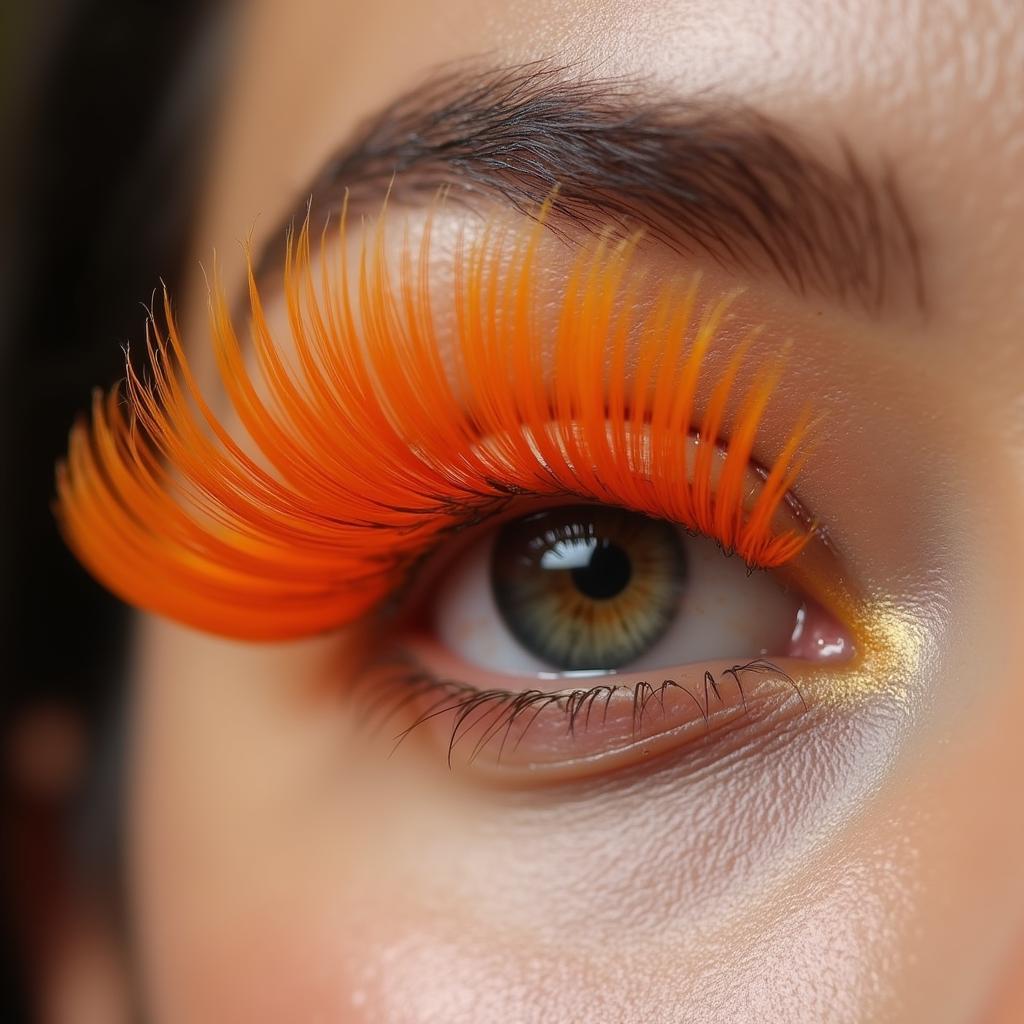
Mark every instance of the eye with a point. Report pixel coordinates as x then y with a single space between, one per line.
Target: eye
602 624
580 637
591 588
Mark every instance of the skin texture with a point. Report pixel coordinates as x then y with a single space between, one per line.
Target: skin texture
861 862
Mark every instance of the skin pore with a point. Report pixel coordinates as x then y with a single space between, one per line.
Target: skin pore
858 862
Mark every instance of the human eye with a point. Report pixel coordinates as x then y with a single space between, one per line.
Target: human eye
546 501
579 636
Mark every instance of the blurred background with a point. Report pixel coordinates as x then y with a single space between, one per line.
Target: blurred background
105 108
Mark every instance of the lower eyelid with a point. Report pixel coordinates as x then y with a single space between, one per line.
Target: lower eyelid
597 728
560 727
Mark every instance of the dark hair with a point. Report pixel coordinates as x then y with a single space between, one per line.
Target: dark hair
104 118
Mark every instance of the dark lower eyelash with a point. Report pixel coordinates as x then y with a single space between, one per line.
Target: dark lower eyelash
406 681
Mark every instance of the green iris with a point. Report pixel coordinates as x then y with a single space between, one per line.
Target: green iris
588 586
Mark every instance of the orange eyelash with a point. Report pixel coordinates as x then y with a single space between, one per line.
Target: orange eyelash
377 439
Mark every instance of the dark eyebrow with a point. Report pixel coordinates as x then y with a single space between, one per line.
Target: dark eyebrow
700 175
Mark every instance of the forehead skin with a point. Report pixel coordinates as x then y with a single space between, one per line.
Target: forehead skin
266 894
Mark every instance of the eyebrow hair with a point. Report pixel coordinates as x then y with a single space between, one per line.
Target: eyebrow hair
700 175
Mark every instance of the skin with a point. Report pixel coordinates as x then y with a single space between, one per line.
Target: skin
860 862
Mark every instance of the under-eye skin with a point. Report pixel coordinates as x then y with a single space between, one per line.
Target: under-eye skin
587 432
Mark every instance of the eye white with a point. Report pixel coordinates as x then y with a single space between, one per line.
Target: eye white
724 613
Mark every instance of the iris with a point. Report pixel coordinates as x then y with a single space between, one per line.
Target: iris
588 587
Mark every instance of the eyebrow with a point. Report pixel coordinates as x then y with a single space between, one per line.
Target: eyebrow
701 175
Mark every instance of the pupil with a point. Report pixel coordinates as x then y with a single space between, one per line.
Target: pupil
605 575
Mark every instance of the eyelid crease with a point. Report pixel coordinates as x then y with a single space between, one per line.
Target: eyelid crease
371 447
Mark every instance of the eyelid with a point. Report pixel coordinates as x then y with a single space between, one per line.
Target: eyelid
591 727
375 449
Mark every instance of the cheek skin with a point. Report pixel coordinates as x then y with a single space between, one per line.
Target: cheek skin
292 892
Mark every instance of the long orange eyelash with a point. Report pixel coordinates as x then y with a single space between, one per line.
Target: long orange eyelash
376 438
